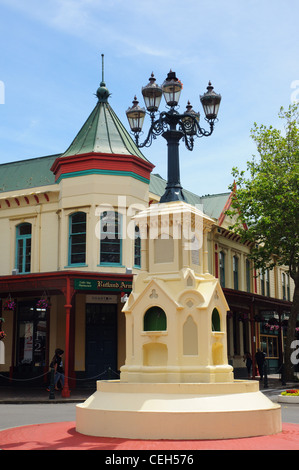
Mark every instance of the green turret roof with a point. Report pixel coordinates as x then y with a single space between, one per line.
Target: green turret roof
103 132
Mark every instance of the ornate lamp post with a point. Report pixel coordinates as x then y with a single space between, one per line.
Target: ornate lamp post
172 125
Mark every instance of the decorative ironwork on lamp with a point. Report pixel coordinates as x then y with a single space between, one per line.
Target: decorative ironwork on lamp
172 125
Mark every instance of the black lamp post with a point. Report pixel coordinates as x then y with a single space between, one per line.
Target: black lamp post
172 125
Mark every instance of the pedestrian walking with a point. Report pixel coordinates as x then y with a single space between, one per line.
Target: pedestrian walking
57 365
260 360
248 363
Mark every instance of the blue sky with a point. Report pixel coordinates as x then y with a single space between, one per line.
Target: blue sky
50 69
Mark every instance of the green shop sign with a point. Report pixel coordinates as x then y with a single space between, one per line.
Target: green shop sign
103 284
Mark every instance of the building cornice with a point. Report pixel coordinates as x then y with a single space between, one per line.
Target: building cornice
101 163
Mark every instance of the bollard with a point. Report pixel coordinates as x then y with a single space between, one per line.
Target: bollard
51 394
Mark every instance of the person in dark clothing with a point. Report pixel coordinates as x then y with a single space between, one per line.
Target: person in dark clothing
57 364
248 363
260 360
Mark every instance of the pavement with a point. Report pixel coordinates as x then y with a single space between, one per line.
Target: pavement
13 394
64 436
26 395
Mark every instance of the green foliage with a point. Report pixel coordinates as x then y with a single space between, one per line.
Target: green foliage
266 200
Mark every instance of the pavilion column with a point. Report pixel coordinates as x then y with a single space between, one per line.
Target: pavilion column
68 305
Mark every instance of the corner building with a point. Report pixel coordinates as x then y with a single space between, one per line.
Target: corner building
69 251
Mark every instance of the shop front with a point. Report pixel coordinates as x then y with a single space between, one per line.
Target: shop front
77 312
256 322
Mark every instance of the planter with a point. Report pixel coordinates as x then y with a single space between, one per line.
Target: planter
288 399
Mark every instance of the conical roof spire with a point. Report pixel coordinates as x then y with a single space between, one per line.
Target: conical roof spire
103 92
103 132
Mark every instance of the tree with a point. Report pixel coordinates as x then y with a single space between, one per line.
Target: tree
265 206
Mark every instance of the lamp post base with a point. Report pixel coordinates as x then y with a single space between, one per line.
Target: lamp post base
173 194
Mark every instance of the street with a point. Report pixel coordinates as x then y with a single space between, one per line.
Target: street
22 415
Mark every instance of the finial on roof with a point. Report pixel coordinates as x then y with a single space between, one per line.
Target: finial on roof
103 83
102 92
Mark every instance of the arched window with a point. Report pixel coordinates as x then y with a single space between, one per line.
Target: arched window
111 235
77 238
23 248
215 320
154 319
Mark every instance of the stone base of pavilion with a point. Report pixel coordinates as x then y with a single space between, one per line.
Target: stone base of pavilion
178 411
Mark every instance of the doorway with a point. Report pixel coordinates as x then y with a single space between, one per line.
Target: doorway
101 340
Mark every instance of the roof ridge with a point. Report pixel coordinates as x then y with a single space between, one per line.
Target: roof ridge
25 160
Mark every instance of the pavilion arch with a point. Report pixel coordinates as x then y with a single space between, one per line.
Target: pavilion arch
155 319
216 322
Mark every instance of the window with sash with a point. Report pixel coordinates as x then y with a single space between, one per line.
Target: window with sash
23 248
77 239
111 239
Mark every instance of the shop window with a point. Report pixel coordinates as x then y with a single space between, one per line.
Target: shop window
215 320
155 319
137 248
32 334
269 346
23 248
77 238
111 243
